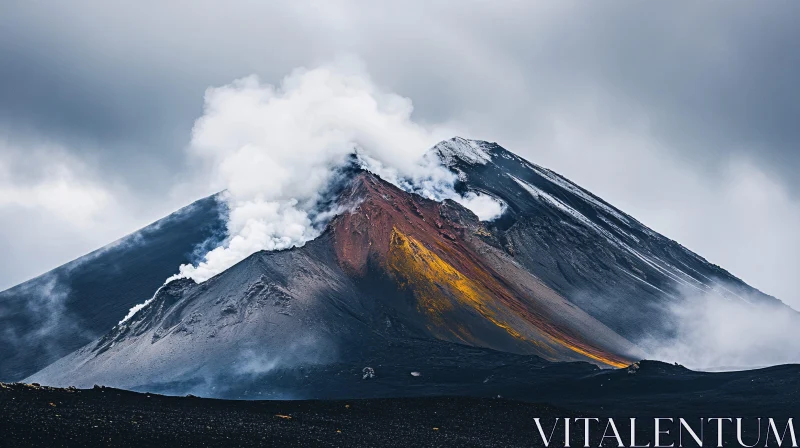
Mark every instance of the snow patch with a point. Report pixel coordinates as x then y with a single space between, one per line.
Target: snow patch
579 192
680 277
560 205
469 151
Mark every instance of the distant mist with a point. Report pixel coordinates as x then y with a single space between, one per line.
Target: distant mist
714 331
308 350
267 367
44 318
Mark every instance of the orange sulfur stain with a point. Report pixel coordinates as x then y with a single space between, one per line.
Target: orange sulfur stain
433 280
434 260
439 286
594 356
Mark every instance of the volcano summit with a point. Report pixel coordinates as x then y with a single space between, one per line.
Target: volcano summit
396 283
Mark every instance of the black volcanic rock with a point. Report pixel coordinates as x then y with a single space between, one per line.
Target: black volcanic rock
124 419
42 416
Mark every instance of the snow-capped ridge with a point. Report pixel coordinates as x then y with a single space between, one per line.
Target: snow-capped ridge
470 151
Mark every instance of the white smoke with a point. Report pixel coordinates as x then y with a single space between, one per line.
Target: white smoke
485 207
273 149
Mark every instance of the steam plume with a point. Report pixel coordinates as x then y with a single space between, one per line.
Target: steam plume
274 149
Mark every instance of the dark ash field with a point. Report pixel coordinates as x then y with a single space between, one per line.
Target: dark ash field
110 417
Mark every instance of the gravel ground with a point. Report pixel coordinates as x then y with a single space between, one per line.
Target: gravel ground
41 416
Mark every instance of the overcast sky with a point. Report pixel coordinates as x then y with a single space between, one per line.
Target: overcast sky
685 115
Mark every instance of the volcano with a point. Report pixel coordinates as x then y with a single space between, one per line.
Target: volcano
395 284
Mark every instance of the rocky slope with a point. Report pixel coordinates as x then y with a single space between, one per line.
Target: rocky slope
396 266
603 260
399 281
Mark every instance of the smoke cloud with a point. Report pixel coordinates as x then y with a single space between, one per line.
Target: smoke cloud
274 149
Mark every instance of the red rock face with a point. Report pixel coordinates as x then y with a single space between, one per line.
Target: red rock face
381 208
466 290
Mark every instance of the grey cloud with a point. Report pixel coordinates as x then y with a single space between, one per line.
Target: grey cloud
708 77
701 84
